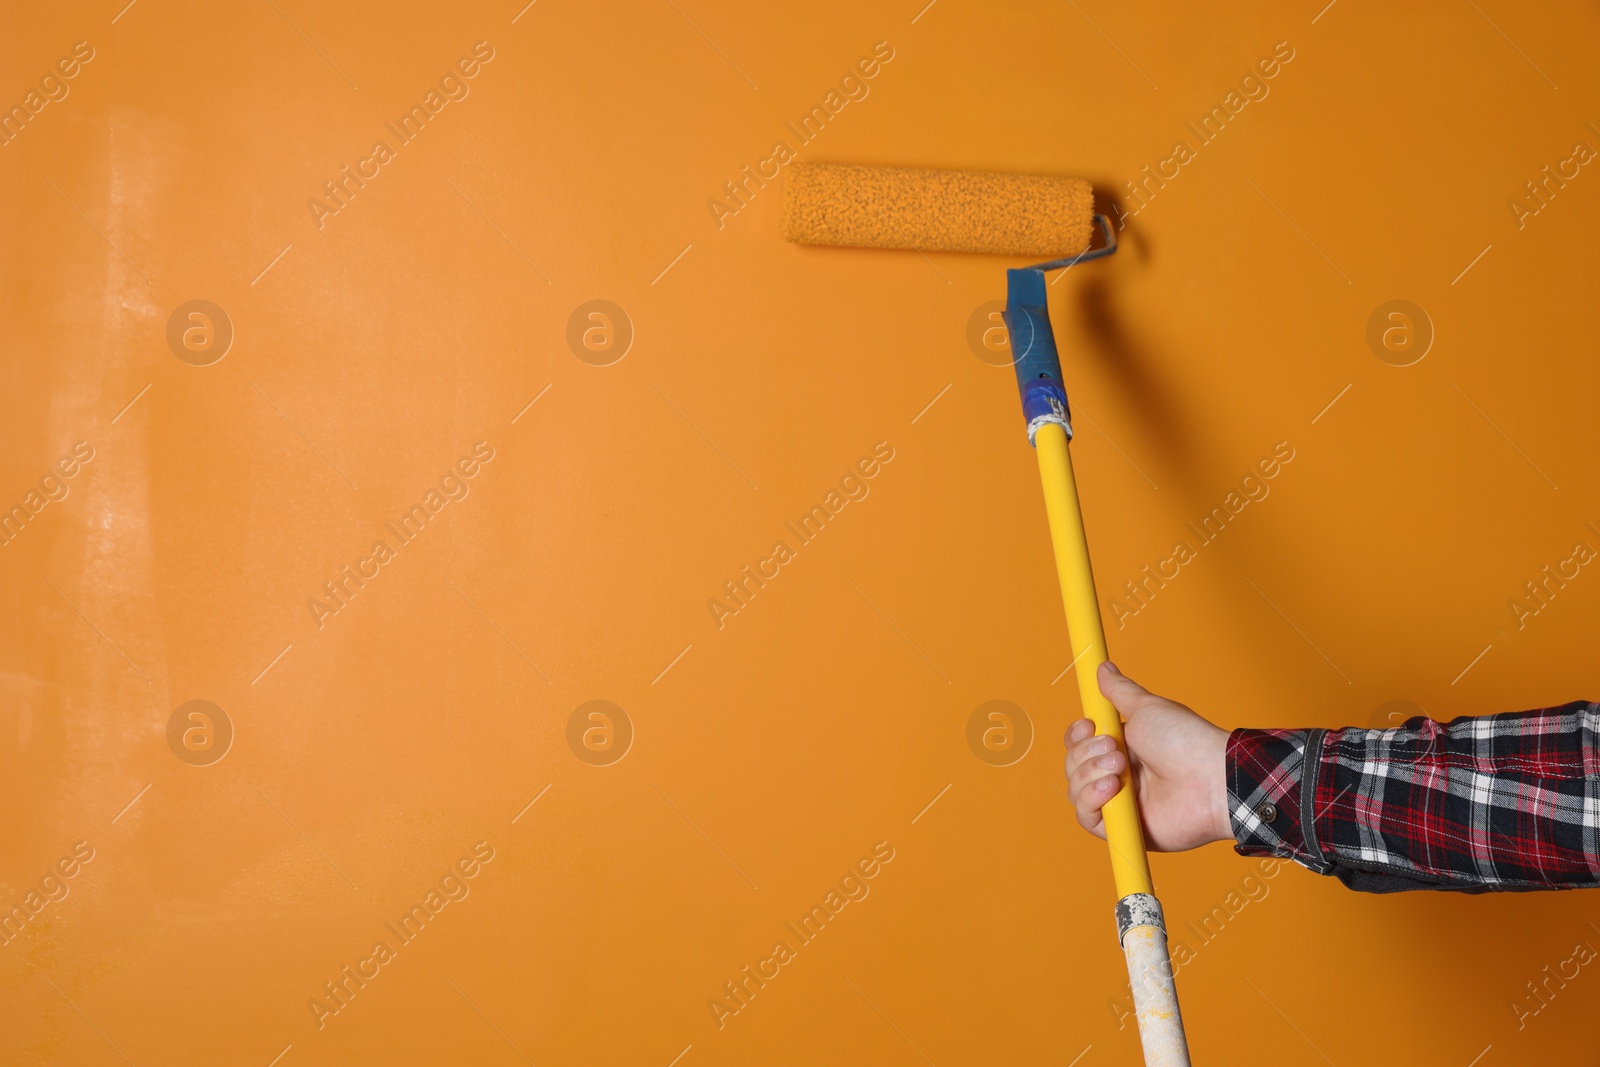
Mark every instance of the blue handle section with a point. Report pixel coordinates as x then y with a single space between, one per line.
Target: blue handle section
1033 348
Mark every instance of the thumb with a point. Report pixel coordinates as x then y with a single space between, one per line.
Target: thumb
1123 692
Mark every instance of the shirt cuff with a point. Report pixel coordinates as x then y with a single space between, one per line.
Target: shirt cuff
1270 782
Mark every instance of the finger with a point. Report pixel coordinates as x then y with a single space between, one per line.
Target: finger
1078 731
1124 693
1091 768
1093 794
1095 824
1087 749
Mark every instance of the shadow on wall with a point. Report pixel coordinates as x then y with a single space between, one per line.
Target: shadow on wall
1196 483
1164 422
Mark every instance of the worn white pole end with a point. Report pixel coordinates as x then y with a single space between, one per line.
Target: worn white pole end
1143 933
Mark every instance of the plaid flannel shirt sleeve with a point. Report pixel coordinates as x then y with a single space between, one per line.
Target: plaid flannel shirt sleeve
1478 804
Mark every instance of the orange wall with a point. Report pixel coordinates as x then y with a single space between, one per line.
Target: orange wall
373 748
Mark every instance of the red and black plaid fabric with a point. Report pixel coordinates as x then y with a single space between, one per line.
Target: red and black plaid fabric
1491 803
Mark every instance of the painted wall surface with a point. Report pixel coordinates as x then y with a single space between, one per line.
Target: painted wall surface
398 380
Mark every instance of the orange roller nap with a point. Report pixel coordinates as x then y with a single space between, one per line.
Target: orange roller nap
936 210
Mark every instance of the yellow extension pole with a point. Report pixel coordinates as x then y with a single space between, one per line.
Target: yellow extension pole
1141 927
1129 865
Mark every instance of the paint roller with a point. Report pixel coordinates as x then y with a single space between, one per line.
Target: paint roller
1021 215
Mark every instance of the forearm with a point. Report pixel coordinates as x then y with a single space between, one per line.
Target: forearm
1499 802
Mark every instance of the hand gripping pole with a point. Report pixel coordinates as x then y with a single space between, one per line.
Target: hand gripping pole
1140 926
